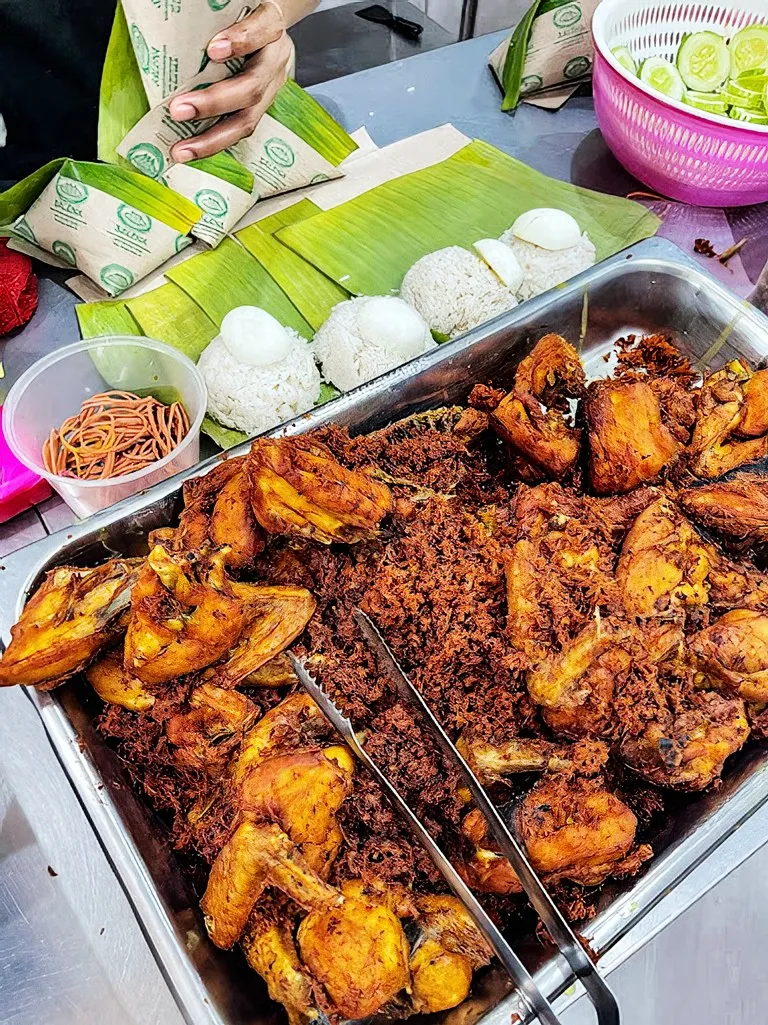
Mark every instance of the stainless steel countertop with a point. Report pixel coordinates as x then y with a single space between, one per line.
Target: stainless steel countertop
63 958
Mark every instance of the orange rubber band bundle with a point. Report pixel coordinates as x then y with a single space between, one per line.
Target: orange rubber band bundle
115 433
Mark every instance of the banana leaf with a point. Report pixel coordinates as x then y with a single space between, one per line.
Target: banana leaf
169 315
224 437
229 276
303 115
110 317
20 197
224 166
122 100
368 243
312 293
289 215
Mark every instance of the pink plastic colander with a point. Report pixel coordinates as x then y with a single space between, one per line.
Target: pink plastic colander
674 149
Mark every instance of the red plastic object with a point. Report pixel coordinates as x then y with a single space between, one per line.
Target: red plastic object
18 289
20 488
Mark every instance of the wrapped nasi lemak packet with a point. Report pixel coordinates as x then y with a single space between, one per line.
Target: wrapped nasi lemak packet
551 49
114 225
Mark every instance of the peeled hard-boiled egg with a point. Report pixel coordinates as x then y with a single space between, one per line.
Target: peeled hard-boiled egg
547 228
393 325
253 337
501 260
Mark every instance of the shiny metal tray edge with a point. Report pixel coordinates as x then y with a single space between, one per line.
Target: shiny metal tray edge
618 927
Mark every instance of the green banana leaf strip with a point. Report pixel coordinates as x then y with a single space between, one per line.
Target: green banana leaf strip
20 197
369 243
514 62
169 315
110 317
224 166
305 117
312 293
228 276
122 100
224 437
290 215
138 191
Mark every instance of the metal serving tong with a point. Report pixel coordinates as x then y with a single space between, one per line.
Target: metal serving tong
569 946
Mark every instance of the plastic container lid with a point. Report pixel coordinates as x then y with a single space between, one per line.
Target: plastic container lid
54 388
20 487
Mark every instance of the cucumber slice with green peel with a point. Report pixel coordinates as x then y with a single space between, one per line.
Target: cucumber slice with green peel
703 61
749 50
710 103
625 58
750 101
663 77
752 117
747 86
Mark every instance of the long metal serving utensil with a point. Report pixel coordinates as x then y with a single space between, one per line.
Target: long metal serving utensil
532 995
597 989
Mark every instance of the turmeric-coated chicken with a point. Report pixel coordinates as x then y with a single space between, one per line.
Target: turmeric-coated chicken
358 953
257 855
299 488
201 734
270 949
296 722
69 619
687 750
736 509
108 677
494 761
732 654
629 443
731 428
185 616
543 438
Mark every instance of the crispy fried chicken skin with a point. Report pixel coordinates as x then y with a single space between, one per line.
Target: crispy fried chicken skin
731 427
298 488
114 685
543 439
69 619
732 654
270 949
736 509
629 443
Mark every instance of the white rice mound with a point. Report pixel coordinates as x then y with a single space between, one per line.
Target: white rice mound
347 359
255 399
545 268
454 291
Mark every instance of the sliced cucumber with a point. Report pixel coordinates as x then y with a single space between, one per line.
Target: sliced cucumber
765 97
625 58
752 117
749 50
751 81
703 61
663 77
752 101
712 103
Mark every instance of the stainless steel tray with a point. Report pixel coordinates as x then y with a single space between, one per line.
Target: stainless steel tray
651 287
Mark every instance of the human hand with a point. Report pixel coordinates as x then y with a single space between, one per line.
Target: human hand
245 96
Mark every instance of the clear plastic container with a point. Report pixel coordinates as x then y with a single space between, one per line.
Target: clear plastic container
55 387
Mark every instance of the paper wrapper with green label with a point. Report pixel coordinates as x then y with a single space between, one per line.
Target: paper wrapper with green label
113 225
549 50
296 143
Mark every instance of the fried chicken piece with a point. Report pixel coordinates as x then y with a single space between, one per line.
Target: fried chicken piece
629 444
754 415
185 616
256 856
69 619
440 978
215 715
298 488
114 685
686 751
277 672
444 918
732 654
550 375
724 416
233 524
492 762
302 791
664 565
575 686
395 896
736 509
297 719
282 618
574 828
358 953
270 950
485 870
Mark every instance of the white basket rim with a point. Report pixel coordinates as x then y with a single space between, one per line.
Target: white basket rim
604 9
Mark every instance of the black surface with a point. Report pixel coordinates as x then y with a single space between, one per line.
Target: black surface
336 42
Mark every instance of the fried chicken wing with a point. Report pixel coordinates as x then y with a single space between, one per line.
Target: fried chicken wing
445 920
257 855
277 672
114 685
359 954
629 444
270 950
295 721
664 564
69 619
214 715
484 869
297 487
732 654
492 762
736 509
686 751
724 417
549 376
302 791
